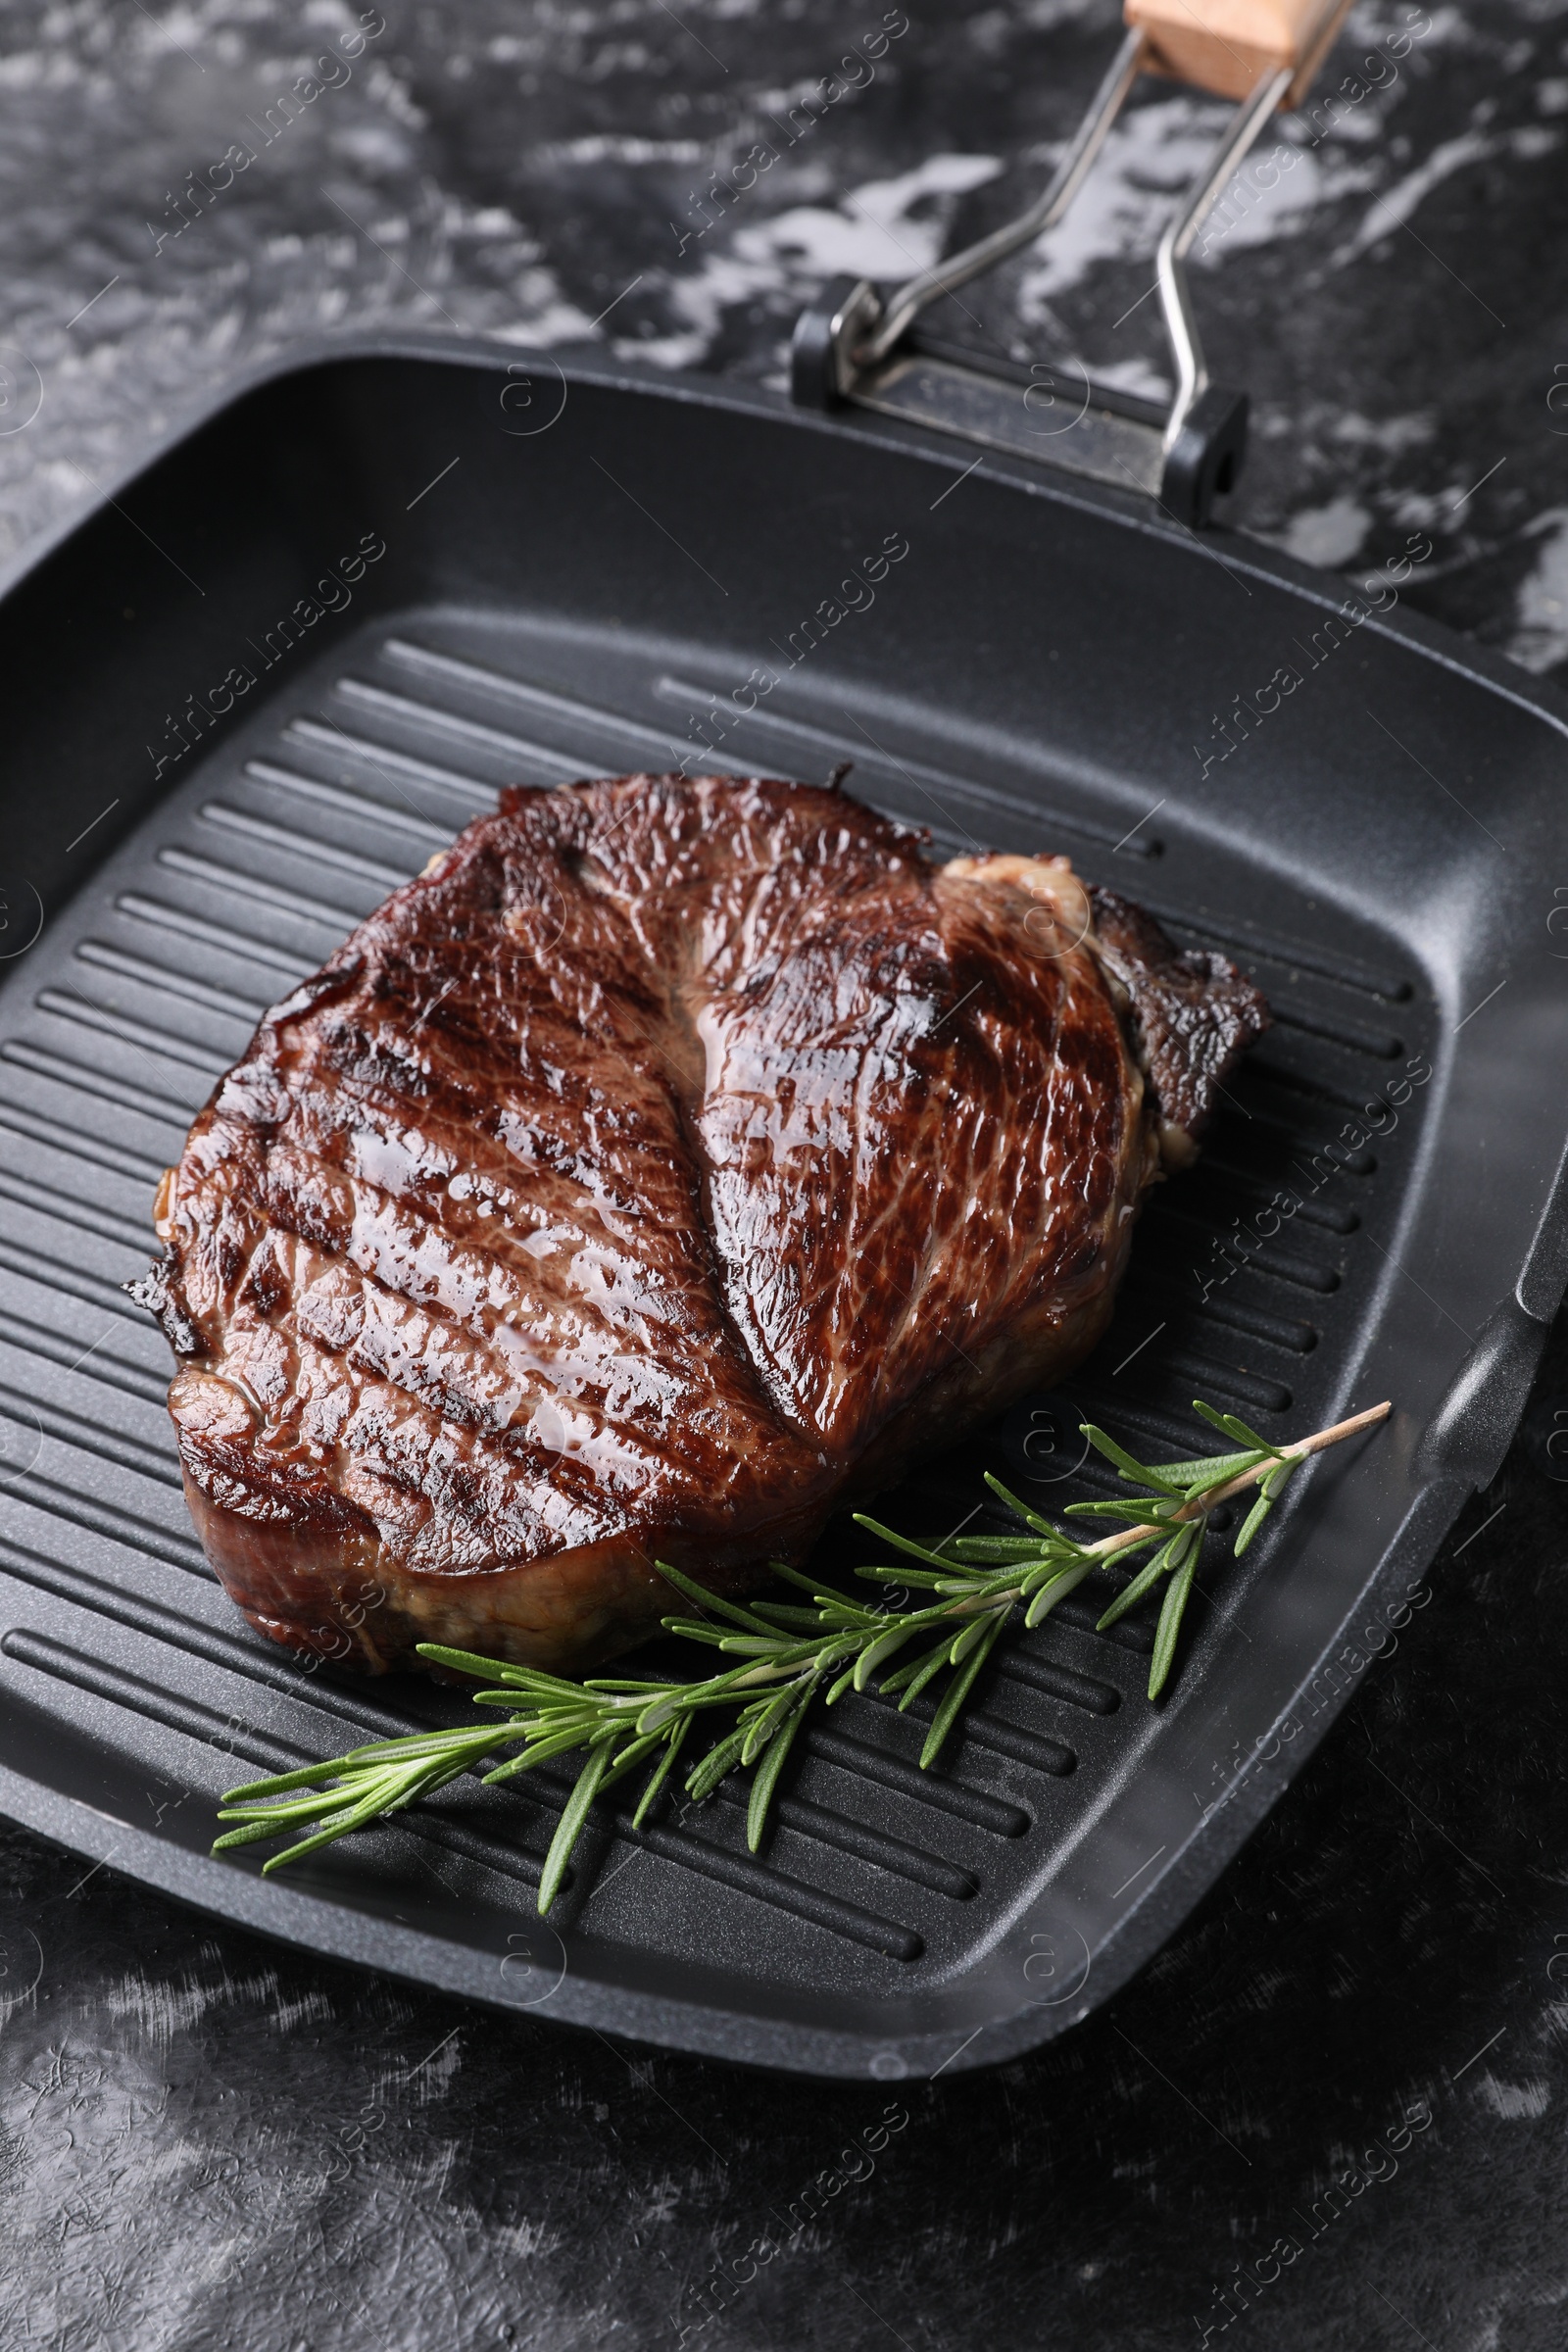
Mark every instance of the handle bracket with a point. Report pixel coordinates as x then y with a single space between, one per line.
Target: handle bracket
858 346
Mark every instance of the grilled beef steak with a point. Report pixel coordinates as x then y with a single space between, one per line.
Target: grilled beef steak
668 1164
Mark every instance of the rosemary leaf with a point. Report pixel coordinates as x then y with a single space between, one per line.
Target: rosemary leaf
719 1760
767 1720
926 1577
889 1644
1042 1527
1057 1587
661 1771
1253 1522
1137 1472
538 1752
709 1601
766 1781
1228 1425
466 1661
998 1550
627 1759
904 1544
569 1825
977 1629
822 1595
1170 1621
1144 1581
1214 1469
1133 1514
947 1715
928 1668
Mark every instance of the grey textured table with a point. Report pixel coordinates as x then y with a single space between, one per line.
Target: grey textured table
1331 2113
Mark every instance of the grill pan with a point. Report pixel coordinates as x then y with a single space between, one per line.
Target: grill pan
578 570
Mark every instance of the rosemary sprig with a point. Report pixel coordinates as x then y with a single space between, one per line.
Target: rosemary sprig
790 1654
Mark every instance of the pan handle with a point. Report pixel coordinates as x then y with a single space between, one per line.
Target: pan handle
906 305
1230 46
859 345
1234 48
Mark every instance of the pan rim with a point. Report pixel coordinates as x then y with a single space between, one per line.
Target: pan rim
1432 639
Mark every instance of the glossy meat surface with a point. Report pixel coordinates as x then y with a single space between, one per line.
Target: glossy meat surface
658 1170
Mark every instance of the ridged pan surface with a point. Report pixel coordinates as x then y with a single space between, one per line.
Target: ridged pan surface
1000 688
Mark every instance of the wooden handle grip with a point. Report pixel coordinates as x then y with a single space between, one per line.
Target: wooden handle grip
1228 46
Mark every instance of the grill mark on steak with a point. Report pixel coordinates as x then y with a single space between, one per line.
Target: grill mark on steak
669 1162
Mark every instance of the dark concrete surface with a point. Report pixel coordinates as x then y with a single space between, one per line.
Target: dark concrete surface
1331 2114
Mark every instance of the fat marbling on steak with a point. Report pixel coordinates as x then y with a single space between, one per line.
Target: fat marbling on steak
666 1164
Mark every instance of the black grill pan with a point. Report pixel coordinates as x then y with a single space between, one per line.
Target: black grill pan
577 573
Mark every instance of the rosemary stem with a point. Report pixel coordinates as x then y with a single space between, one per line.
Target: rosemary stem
1210 1500
1196 1508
